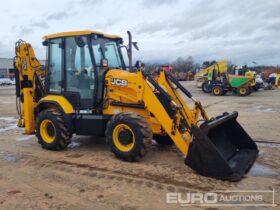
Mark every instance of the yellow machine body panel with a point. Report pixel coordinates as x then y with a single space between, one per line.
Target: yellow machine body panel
132 93
60 101
79 33
251 74
277 81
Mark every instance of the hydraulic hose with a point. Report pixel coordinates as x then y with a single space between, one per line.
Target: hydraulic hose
157 86
181 87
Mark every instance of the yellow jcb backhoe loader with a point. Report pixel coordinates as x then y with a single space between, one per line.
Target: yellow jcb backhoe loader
86 89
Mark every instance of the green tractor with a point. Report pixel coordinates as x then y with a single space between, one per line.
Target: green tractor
219 84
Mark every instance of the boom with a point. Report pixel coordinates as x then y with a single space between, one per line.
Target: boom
30 84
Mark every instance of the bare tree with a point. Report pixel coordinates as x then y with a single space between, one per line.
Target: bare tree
183 64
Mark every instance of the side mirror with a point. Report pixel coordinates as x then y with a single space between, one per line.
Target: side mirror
45 43
135 45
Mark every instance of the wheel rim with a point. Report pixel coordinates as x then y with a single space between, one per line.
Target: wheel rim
123 137
243 91
217 91
47 131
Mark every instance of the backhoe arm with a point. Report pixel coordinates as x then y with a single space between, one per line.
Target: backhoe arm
28 84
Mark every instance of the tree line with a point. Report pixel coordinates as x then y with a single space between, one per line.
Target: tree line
181 64
187 64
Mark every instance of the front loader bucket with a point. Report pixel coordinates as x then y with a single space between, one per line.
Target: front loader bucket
221 149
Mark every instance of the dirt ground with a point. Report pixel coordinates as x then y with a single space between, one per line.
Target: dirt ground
88 176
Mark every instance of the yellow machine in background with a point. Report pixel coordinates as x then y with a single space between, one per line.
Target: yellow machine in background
202 75
277 81
252 75
219 80
86 89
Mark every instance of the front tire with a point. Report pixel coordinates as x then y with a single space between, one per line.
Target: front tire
127 134
51 130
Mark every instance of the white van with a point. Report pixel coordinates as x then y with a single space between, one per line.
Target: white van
6 81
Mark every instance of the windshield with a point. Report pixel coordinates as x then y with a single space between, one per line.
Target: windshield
107 48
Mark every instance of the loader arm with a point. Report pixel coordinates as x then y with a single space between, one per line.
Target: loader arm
219 147
181 136
172 85
155 107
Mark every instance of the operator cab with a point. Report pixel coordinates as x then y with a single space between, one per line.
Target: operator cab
77 64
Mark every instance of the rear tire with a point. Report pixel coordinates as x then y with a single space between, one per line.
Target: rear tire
163 140
51 130
217 91
127 134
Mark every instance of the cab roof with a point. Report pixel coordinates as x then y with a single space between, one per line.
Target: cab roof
79 33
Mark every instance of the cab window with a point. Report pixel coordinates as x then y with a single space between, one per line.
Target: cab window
79 69
55 65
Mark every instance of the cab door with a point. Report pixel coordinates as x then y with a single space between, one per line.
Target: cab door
79 71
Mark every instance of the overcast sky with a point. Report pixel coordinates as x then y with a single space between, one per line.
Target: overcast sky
240 31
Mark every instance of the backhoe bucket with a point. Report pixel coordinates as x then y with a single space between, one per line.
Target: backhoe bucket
221 149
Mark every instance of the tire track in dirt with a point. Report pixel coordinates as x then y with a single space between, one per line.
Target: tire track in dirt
106 174
148 179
